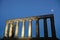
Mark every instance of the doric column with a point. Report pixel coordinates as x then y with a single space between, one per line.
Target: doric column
53 28
10 31
37 28
6 29
45 29
16 30
23 28
30 29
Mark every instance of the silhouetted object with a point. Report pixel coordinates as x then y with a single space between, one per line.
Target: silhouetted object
13 31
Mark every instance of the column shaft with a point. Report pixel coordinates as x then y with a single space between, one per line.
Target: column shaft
6 30
30 29
45 29
37 28
23 28
53 28
16 31
10 32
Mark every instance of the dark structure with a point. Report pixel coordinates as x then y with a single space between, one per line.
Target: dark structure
37 18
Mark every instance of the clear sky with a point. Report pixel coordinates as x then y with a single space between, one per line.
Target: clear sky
10 9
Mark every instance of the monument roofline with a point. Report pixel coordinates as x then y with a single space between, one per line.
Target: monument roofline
32 17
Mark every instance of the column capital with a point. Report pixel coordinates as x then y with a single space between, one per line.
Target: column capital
36 18
30 20
16 21
23 20
10 21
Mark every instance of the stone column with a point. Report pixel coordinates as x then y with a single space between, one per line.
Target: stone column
53 28
45 29
6 29
16 30
30 29
37 29
23 28
10 31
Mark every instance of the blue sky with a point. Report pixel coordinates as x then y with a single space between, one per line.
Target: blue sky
10 9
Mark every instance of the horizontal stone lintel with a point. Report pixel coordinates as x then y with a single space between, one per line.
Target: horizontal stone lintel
32 18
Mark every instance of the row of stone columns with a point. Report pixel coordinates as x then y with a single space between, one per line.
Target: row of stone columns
11 29
30 28
52 28
29 31
16 29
